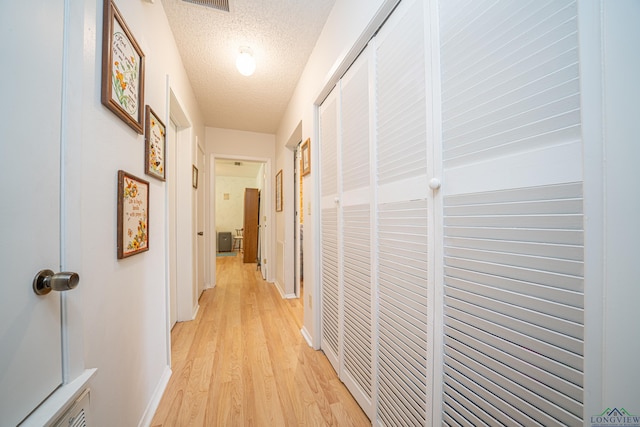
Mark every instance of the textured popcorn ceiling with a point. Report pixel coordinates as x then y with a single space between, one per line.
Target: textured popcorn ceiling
281 34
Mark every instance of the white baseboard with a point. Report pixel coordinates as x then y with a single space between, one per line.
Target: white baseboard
306 336
282 294
152 407
279 288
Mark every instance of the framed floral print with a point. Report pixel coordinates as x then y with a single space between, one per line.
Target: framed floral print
122 69
133 215
194 177
154 145
279 191
305 150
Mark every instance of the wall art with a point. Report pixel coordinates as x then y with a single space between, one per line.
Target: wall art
133 215
155 145
306 157
122 69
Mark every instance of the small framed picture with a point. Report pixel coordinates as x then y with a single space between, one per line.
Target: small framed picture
194 177
155 144
305 150
133 215
279 191
122 69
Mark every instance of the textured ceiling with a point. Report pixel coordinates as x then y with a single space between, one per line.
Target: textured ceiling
281 34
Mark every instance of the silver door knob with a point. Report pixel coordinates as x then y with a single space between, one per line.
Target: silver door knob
47 281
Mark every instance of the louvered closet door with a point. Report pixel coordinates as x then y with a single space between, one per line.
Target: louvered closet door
331 291
402 218
513 237
356 212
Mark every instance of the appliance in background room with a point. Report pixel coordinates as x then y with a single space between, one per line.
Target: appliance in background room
224 241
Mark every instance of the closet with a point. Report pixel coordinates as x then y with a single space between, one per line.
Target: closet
452 217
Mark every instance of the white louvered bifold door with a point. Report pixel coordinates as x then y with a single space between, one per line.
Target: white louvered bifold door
331 290
512 197
402 218
356 213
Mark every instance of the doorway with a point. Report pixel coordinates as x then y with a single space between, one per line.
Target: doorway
232 175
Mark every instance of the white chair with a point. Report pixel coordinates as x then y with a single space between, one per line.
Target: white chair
237 239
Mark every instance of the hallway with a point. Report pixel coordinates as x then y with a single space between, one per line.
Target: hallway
243 361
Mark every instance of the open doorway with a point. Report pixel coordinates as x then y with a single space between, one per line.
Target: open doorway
236 179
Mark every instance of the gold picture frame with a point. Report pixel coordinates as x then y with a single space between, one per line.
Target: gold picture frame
154 145
194 177
305 154
279 191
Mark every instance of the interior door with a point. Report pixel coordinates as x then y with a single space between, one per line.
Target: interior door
31 45
263 239
200 200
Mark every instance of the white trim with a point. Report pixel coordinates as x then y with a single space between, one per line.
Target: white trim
435 291
590 45
306 336
167 262
154 402
345 60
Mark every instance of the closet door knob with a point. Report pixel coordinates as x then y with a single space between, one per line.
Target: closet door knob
434 183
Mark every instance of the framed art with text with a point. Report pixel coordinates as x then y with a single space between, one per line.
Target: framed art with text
133 215
122 69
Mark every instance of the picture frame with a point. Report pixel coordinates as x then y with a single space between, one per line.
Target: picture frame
279 191
305 160
133 215
194 177
154 145
122 69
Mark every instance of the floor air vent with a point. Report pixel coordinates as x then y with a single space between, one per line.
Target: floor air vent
214 4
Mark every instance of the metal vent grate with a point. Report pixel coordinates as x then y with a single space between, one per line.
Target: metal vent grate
214 4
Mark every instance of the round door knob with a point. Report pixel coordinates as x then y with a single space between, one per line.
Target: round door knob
47 281
434 183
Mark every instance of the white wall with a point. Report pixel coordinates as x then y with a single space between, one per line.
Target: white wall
344 29
230 212
120 303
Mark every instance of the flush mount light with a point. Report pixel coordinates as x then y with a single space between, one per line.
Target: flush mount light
245 63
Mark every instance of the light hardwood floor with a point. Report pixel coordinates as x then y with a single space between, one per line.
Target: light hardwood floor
243 362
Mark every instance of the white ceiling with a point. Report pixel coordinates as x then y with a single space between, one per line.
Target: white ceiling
281 34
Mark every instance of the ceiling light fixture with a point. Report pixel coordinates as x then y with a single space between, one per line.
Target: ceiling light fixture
245 63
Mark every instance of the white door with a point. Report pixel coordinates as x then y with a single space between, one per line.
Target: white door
31 47
264 239
513 313
172 131
200 212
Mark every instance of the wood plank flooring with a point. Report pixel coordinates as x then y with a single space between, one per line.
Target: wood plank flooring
243 362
